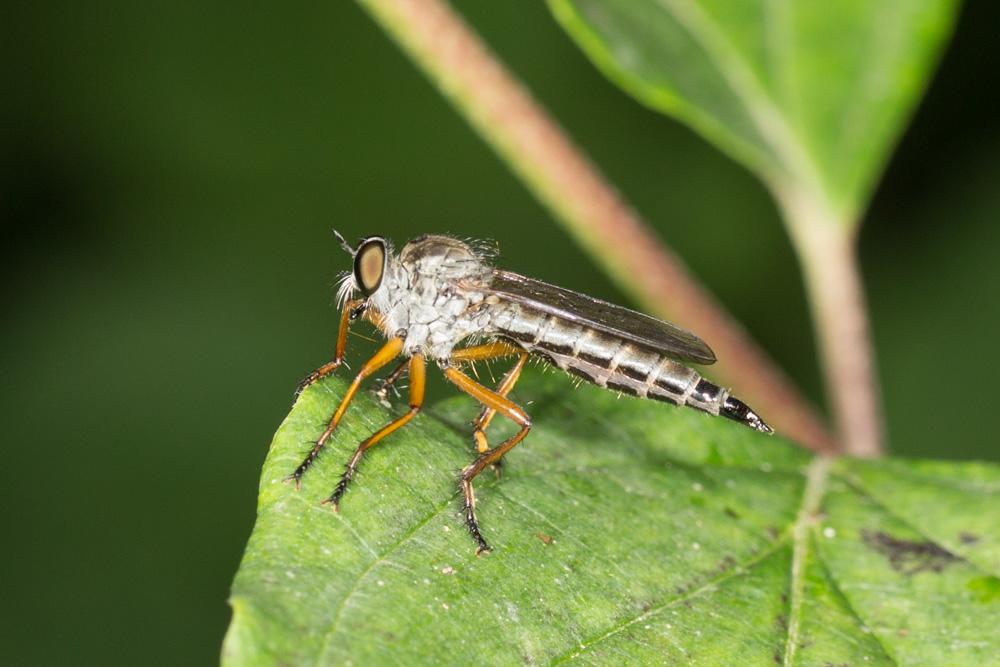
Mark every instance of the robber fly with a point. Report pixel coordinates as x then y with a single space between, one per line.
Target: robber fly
439 293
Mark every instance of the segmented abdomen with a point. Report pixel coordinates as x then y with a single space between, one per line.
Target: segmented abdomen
606 360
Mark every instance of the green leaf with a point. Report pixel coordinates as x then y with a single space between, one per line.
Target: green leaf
810 95
624 532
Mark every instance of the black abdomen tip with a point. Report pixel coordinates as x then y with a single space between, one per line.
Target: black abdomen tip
737 410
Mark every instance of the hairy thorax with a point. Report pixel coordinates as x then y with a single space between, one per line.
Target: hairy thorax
430 297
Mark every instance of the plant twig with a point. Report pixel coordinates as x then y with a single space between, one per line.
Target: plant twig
827 248
556 171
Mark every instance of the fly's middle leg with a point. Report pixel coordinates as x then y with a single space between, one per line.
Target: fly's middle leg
493 400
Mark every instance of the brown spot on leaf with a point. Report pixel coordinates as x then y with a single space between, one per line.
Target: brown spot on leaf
967 538
727 563
909 557
544 538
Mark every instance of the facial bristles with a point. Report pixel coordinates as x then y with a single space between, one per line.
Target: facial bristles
345 288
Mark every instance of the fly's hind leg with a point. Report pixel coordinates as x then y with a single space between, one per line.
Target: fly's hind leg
418 372
386 354
492 400
485 352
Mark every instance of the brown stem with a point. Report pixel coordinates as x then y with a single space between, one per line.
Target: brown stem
828 255
561 176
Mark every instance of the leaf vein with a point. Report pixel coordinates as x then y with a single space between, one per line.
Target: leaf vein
853 610
338 614
738 570
859 488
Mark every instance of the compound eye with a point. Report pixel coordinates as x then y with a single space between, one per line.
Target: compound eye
369 265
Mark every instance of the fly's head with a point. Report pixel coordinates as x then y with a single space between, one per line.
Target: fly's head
370 276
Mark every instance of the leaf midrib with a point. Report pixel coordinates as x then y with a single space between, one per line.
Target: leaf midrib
812 495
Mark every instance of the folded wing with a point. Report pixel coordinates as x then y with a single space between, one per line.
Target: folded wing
630 325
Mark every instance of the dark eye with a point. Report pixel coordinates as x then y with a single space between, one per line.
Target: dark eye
369 264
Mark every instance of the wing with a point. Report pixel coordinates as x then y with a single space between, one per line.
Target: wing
661 336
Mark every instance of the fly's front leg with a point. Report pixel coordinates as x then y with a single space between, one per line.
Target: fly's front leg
418 376
386 354
484 352
352 310
505 407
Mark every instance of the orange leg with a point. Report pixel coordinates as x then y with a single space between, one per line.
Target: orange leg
386 354
418 375
487 413
348 315
482 353
505 407
493 350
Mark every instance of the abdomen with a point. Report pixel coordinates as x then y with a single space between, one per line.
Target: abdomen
608 361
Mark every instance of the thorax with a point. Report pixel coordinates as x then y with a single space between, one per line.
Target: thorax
433 308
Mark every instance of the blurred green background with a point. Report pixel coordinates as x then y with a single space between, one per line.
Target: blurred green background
172 172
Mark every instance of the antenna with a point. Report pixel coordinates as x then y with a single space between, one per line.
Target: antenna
343 243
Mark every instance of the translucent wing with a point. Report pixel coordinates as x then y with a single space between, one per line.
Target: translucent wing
628 324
